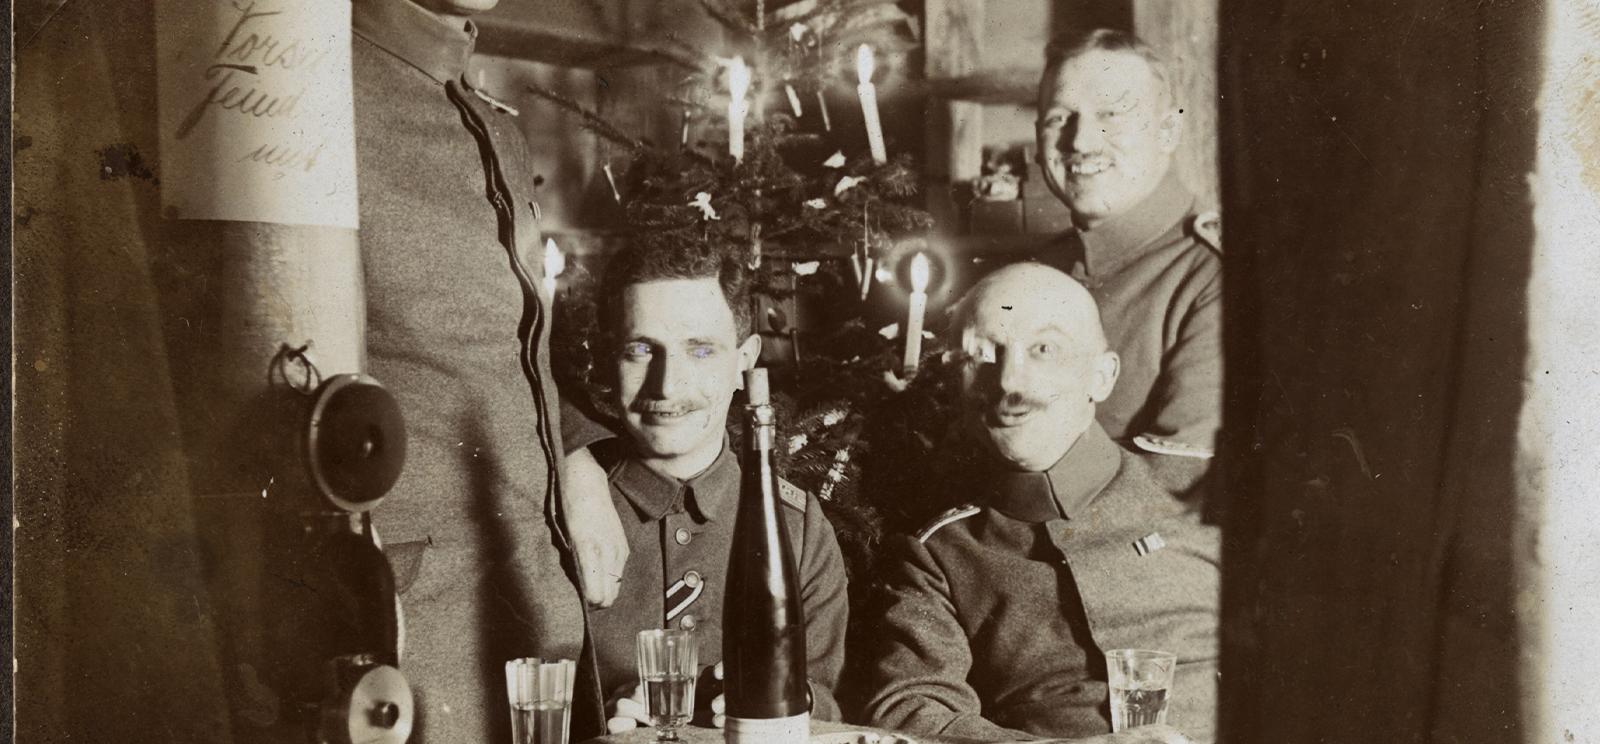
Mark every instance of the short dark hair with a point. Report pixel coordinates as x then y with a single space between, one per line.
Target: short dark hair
655 257
1070 44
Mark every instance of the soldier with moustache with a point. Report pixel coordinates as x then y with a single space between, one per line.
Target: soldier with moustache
1107 130
993 620
675 336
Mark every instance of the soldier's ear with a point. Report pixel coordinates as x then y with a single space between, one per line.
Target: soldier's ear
1107 365
749 353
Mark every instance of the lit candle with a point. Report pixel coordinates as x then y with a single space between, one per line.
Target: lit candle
919 307
612 179
797 41
554 264
738 85
869 104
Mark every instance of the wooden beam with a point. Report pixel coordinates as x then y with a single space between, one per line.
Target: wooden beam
1185 33
600 33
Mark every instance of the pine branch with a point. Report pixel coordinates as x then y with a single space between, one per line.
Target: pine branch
590 120
823 9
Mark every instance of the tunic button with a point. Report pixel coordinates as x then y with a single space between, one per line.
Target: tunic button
682 536
686 622
691 579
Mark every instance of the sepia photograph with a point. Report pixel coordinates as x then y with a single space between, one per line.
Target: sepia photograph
805 372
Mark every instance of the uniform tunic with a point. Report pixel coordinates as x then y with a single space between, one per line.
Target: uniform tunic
994 620
457 331
680 536
1156 275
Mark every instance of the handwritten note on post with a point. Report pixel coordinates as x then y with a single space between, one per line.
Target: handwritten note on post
256 111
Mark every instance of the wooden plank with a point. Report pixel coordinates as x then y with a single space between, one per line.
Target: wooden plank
600 33
1018 85
954 131
1185 33
953 30
1374 285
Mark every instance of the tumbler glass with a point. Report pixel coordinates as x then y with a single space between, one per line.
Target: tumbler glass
540 693
1140 682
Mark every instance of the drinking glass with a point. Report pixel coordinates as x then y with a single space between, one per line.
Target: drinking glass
540 693
1140 683
668 664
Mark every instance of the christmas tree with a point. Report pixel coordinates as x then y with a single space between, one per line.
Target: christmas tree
768 182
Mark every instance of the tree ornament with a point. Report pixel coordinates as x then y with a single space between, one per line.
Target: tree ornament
702 201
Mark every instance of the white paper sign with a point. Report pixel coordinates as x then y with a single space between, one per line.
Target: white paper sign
256 111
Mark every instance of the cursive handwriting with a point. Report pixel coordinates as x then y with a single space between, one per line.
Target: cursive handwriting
240 79
227 95
243 46
284 158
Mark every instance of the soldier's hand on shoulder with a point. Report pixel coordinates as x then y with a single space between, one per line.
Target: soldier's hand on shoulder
591 519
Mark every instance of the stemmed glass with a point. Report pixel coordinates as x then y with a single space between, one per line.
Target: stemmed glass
668 665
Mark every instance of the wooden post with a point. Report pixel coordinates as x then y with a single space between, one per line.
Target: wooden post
155 288
954 32
262 299
1412 342
1556 548
1185 33
115 627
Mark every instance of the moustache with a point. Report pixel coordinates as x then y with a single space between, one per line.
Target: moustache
1010 404
666 407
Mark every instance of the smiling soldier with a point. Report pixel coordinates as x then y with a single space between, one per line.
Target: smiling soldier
1107 130
993 622
676 327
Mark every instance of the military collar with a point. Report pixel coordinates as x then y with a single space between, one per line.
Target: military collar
1118 240
1065 490
420 38
654 495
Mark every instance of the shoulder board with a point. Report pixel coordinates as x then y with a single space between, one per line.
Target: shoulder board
792 495
1159 446
1207 228
495 103
954 515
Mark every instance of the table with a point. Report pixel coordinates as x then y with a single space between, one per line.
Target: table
823 732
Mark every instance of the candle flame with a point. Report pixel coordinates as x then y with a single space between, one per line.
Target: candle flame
919 273
738 78
864 64
554 261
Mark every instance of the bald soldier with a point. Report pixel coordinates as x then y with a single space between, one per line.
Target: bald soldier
1108 126
993 620
1107 130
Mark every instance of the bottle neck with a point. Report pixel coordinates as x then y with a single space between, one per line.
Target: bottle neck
760 424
